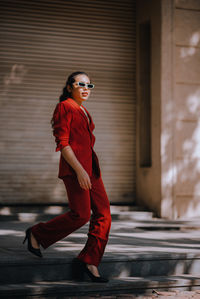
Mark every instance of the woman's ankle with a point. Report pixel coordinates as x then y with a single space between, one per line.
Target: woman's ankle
94 270
34 242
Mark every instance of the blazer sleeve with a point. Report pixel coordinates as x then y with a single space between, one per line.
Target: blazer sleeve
61 126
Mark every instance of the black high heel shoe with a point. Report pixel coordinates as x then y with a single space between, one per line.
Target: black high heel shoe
92 276
33 250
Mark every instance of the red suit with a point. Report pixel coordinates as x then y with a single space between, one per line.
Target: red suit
71 127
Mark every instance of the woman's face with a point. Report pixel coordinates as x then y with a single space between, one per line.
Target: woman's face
78 93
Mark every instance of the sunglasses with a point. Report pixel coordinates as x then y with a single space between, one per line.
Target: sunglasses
88 85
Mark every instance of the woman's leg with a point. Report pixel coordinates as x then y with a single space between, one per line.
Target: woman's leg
99 225
61 226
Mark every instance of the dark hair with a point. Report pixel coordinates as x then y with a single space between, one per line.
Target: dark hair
71 79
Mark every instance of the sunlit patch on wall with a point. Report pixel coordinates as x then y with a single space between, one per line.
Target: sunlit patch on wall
193 102
196 141
195 38
170 175
185 52
165 138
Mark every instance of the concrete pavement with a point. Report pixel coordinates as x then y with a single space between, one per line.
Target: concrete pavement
141 256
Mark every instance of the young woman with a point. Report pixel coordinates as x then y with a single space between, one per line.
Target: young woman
79 169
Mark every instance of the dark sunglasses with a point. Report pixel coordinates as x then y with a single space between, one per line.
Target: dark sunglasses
88 85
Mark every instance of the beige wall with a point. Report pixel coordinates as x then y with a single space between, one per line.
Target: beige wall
187 112
171 187
180 101
167 110
148 178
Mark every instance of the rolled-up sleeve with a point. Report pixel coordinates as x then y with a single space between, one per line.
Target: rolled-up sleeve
61 126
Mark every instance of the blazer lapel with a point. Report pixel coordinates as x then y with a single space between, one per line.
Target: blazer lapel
83 114
91 124
78 108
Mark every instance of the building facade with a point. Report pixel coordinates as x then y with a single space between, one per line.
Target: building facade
169 184
144 58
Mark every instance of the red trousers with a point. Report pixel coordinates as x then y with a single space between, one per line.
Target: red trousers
81 202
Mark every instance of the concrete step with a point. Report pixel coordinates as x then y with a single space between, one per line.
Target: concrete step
29 268
135 256
131 252
34 217
130 285
140 218
35 213
56 208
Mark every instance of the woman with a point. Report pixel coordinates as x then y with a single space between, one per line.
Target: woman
80 172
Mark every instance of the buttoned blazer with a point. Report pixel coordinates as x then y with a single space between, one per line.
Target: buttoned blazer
71 127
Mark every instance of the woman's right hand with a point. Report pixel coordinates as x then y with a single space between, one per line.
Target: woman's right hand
84 179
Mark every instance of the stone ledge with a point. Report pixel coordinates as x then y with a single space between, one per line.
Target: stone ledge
131 285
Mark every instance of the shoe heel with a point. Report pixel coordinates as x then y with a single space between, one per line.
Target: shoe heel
25 239
33 250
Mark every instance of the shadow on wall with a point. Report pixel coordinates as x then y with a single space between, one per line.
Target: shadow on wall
182 114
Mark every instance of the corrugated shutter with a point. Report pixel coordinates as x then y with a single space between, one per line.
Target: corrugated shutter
41 43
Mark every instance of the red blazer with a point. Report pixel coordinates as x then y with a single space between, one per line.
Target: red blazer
71 127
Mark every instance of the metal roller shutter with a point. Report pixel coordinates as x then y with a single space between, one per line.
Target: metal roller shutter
41 43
